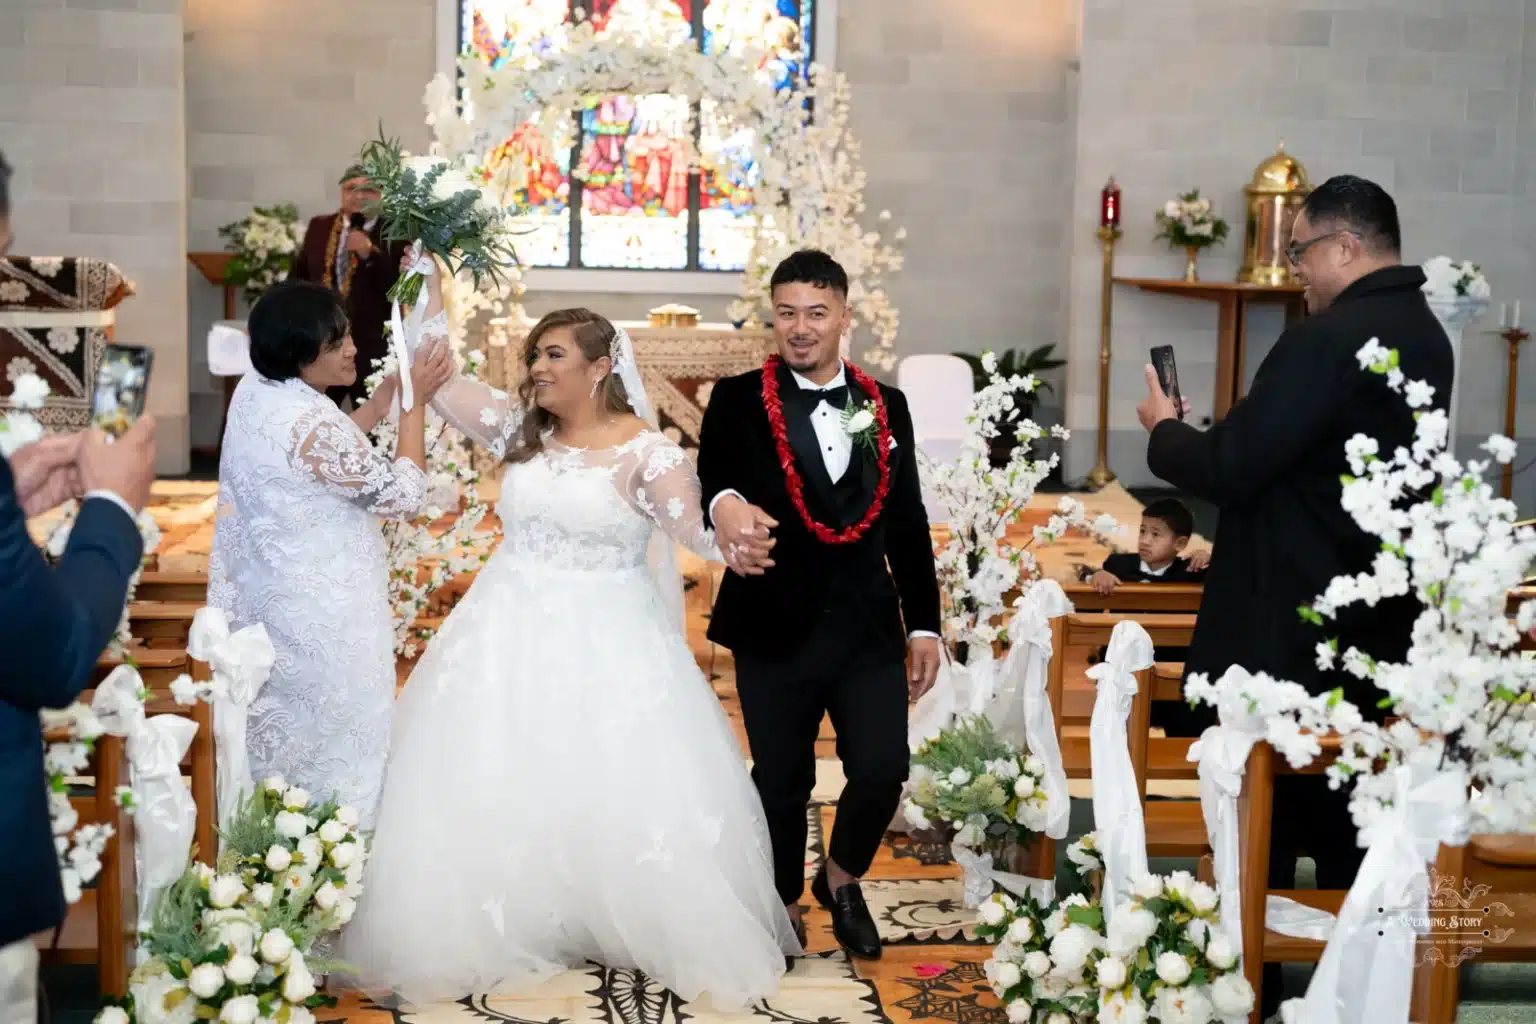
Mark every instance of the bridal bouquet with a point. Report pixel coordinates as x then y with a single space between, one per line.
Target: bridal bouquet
263 246
969 780
1187 222
1169 959
1044 965
236 944
427 200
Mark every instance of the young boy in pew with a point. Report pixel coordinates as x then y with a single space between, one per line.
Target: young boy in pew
1166 529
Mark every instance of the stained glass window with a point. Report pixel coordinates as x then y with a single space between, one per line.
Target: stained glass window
640 207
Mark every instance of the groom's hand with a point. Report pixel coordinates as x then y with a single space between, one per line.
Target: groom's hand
925 665
742 533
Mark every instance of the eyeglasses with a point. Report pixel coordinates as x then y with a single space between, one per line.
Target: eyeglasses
1296 250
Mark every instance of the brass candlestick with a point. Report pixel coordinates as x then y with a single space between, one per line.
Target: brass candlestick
1513 337
1101 475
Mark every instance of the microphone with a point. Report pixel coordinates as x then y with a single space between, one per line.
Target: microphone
357 221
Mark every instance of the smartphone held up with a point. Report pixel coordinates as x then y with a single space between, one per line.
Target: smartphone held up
122 382
1168 376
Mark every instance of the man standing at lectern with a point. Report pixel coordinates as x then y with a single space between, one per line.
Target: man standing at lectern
346 252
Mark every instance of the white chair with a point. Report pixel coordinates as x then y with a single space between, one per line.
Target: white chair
938 390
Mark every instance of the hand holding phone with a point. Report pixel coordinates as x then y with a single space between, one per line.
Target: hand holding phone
1168 376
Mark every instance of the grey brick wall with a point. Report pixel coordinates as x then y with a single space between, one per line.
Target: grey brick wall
91 118
1431 98
281 95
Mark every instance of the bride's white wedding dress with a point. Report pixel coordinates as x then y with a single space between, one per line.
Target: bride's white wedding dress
563 785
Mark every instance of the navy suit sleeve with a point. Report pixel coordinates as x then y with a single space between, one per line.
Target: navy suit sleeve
56 621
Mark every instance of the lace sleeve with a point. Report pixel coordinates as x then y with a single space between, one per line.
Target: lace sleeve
487 416
331 450
665 486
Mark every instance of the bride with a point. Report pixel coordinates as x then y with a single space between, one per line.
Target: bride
563 785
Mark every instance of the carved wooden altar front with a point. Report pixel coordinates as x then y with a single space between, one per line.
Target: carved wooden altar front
679 365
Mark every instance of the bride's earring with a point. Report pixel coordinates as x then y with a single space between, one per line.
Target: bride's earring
595 385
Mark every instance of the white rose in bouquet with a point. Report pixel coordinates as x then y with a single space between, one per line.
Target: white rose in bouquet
1037 963
274 784
1199 931
241 969
1122 1008
1148 887
262 894
233 928
992 912
1129 930
1008 975
332 831
278 858
1232 996
342 854
311 853
205 980
1072 946
300 1015
1203 897
1112 972
291 825
276 946
298 983
327 897
1178 884
240 1010
1173 968
347 816
1220 952
959 777
1021 931
153 996
225 891
345 909
1020 1011
1024 786
296 799
916 816
1180 1005
112 1015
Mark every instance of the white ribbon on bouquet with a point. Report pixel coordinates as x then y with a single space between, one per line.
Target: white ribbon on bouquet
165 815
981 879
1117 816
1021 711
405 333
1366 972
240 663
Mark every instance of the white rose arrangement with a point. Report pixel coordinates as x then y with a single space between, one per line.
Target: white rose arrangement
1168 960
236 943
263 245
977 566
1188 222
1046 961
1446 279
1084 862
989 793
810 189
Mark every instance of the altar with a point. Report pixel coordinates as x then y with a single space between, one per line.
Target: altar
679 365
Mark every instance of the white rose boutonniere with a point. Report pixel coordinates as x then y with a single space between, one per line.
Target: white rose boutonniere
859 424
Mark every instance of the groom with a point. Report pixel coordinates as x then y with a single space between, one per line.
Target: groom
819 616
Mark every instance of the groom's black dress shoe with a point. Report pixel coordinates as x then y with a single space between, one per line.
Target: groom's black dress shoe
851 921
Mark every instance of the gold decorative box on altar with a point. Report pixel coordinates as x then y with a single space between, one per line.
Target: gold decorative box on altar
1275 195
674 315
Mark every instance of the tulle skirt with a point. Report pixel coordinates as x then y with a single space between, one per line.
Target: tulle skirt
564 787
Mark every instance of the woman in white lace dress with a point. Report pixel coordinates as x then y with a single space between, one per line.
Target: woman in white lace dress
297 545
564 786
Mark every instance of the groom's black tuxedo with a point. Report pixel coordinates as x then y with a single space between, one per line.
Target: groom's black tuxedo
824 631
769 616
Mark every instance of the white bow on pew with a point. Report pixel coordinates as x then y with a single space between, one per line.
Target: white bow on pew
165 815
240 663
1117 814
981 879
1366 972
1021 711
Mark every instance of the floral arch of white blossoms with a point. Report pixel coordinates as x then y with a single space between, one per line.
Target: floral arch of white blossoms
810 187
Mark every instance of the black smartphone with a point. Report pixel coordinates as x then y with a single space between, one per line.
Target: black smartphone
1168 376
122 381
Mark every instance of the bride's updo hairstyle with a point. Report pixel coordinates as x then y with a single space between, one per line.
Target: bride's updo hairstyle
594 336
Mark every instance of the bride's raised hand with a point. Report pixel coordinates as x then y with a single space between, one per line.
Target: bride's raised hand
432 369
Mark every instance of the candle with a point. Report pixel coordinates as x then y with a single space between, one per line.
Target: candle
1109 205
1515 322
1503 314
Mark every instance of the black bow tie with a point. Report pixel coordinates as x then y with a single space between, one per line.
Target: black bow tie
836 397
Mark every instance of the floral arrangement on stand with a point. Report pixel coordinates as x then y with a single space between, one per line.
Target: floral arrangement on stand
1187 223
1461 755
1447 279
263 246
810 190
421 560
1044 964
237 944
988 793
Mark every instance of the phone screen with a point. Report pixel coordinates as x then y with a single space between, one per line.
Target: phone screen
1168 376
122 381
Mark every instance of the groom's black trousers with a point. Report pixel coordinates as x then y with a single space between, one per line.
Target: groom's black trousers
840 670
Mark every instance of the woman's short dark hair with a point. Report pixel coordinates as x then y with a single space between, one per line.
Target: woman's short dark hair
291 325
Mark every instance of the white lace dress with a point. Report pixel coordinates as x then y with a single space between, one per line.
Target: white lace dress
297 547
563 784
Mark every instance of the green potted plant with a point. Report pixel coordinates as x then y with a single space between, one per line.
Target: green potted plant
1016 362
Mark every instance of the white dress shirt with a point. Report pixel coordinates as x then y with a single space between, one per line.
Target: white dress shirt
1149 571
835 443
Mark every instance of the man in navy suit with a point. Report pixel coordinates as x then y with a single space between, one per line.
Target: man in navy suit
53 624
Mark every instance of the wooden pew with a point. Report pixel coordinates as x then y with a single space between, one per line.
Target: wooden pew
1087 632
1137 597
172 586
101 928
162 624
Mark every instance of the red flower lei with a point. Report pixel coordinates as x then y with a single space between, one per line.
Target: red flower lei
773 404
